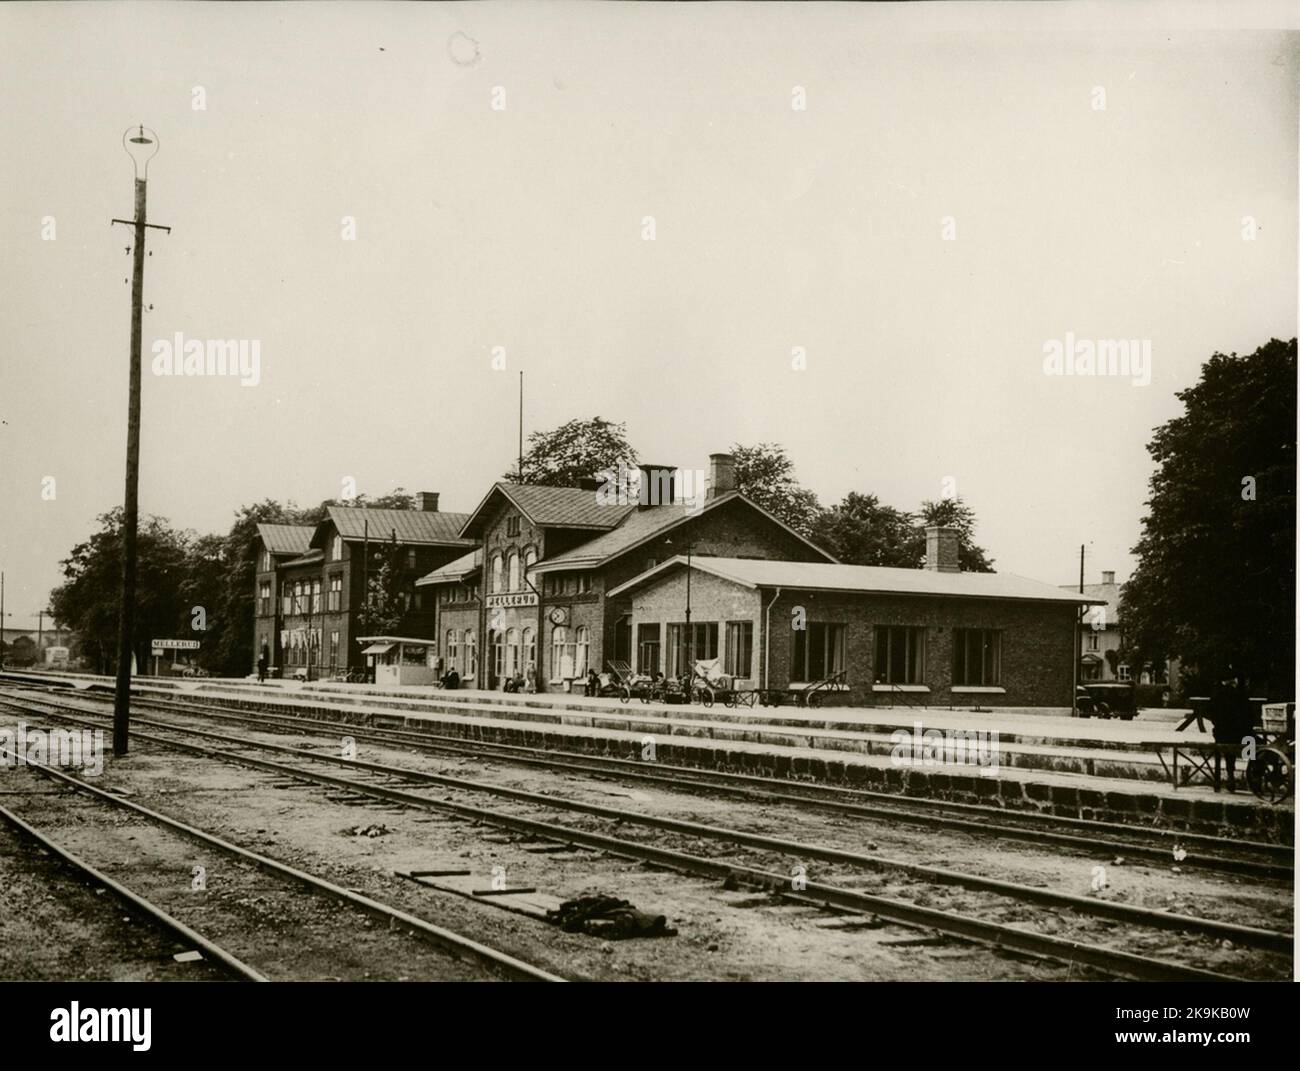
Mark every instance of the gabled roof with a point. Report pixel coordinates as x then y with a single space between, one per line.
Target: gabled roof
548 507
285 538
1107 593
411 526
873 579
454 571
648 525
310 558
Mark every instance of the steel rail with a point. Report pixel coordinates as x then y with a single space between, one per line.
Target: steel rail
993 933
739 785
446 938
209 947
832 797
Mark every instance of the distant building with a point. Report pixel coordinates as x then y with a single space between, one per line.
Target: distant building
1101 636
309 584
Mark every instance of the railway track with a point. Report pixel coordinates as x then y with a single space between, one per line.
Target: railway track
498 962
1086 837
1109 959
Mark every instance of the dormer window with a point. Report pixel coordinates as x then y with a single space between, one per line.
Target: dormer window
336 548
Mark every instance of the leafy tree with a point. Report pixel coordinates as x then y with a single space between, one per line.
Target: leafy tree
577 450
953 513
384 605
398 498
1215 578
765 475
89 598
860 531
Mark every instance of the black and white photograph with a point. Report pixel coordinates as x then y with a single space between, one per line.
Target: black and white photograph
729 494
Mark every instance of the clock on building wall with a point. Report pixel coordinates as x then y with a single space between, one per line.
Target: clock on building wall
559 615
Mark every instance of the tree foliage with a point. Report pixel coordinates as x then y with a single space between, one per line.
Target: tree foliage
1215 579
574 451
765 475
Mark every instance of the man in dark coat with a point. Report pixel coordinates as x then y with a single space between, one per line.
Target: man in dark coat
1233 721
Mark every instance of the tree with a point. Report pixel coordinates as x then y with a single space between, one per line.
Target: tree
577 450
1215 578
765 475
951 513
384 604
88 600
860 531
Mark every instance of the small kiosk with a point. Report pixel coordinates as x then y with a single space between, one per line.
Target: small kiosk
401 659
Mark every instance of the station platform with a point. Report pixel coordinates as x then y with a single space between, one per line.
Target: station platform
1045 760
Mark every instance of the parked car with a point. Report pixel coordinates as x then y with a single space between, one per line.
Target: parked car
1113 699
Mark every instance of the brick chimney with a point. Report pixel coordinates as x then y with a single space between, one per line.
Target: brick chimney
658 486
722 476
941 549
426 501
1108 577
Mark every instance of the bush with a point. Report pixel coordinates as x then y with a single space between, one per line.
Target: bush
1149 695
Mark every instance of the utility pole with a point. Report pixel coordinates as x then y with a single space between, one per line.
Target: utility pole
141 146
520 470
2 619
1078 643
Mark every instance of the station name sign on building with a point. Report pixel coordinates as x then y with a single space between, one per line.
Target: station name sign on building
518 598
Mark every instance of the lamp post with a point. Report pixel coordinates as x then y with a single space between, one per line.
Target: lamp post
690 635
141 145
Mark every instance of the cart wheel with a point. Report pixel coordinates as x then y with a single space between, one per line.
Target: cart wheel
705 696
624 695
814 700
731 700
1270 775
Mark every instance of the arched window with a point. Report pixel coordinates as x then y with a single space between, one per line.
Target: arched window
453 650
471 655
561 653
529 662
496 573
498 640
512 650
583 648
530 559
513 571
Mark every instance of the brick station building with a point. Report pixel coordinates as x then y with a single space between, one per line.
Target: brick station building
934 636
534 598
310 580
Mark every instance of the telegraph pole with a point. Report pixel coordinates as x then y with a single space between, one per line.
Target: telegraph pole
520 471
141 145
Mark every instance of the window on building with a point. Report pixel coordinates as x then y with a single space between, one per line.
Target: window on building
264 598
512 571
336 593
693 645
334 650
647 649
581 650
286 600
900 654
471 654
498 640
529 651
512 651
818 652
530 559
498 580
411 558
561 653
266 561
976 656
336 548
1093 641
740 648
512 525
315 596
1123 672
453 649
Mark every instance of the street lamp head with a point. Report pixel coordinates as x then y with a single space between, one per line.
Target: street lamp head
141 144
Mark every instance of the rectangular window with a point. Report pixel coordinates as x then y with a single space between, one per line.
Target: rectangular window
286 601
976 656
1093 639
900 654
410 557
336 592
315 596
740 648
647 649
264 598
512 525
1123 672
818 652
334 649
687 647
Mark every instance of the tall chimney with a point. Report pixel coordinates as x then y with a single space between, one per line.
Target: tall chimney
941 546
1108 577
722 476
658 486
426 501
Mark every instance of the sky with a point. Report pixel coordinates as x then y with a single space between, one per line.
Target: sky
404 205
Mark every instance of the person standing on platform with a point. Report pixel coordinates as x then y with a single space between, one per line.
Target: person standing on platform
263 660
